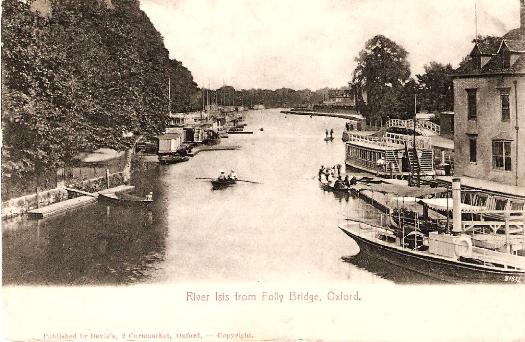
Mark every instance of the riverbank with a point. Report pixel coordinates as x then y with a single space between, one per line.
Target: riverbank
347 116
20 206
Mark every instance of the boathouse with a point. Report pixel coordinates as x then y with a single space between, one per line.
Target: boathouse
169 142
489 105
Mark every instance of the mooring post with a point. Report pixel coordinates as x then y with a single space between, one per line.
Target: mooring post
107 178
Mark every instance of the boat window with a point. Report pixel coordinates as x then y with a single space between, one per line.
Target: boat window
501 204
516 205
481 200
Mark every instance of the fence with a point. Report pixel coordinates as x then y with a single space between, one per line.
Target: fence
15 187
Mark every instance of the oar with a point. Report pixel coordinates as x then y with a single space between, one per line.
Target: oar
205 178
247 181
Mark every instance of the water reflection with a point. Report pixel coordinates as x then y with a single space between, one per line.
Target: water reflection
282 229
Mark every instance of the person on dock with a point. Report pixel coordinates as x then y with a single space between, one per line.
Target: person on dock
232 175
347 126
222 176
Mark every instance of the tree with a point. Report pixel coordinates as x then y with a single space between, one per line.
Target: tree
437 87
78 75
381 72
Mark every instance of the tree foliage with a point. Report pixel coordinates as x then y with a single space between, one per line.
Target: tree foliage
436 87
79 75
381 73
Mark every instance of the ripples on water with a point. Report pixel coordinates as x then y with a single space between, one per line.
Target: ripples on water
282 229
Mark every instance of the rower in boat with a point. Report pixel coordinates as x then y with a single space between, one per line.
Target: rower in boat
222 176
232 175
330 178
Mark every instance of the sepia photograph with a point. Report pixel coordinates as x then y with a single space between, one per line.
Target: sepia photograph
250 170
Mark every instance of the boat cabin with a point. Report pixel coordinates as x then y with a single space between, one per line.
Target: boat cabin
390 155
169 142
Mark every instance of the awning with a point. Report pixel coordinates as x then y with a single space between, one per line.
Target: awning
444 204
100 155
402 191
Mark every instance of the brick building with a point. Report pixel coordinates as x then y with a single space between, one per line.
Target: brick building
489 105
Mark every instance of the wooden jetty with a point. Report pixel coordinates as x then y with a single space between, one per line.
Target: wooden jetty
85 199
201 148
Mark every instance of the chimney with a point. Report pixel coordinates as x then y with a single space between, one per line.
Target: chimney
522 15
456 206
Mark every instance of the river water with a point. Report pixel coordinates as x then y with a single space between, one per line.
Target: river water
284 229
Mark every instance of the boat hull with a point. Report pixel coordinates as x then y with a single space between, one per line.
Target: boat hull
115 199
172 159
434 267
218 184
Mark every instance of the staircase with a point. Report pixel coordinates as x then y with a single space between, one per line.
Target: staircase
391 159
423 165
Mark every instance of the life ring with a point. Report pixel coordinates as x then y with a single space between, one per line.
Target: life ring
463 246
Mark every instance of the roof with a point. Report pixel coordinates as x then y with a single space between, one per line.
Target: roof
514 45
488 47
516 34
513 41
402 190
168 136
447 204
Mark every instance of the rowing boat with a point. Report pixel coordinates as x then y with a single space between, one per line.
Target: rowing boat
125 199
172 159
222 183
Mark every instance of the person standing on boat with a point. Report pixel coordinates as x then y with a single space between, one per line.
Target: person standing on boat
347 181
222 176
339 184
232 175
331 178
321 172
339 169
326 132
331 133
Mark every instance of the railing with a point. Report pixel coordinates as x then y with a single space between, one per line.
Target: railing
393 140
402 139
409 124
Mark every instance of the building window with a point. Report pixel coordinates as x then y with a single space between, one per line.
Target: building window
506 59
505 104
472 104
473 149
501 155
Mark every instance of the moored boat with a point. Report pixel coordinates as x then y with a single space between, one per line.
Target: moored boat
172 159
125 199
449 256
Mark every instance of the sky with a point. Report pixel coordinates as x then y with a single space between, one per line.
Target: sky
313 43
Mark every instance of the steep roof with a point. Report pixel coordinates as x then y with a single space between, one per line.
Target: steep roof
513 41
514 45
488 47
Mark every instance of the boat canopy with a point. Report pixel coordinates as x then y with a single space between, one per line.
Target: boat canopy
402 190
444 204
